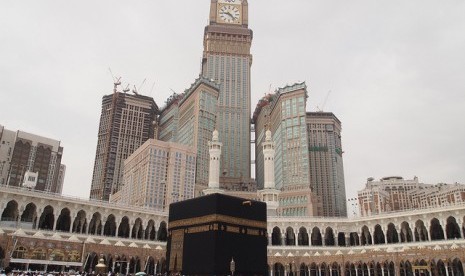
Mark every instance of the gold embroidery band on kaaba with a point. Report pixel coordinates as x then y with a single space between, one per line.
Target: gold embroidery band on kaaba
177 248
217 218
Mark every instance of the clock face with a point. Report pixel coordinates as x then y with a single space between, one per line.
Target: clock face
229 14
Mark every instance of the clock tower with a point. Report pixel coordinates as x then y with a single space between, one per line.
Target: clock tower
227 60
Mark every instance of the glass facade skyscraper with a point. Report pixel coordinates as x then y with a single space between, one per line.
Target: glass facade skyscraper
308 153
197 117
284 114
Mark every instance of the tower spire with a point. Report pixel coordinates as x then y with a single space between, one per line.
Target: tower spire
269 194
214 170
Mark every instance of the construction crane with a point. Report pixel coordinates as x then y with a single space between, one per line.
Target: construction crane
135 91
324 102
126 90
116 81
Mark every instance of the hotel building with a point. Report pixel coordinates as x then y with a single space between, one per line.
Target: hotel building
30 160
157 174
126 122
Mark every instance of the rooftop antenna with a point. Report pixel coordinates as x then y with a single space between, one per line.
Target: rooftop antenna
116 81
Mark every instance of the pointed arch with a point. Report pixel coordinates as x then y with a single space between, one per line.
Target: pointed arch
354 239
366 236
92 261
324 269
29 215
335 269
372 267
378 235
278 269
64 220
391 235
452 229
95 224
150 266
421 233
302 237
329 236
441 268
365 269
11 211
80 222
123 229
290 236
137 229
436 231
110 226
276 236
316 237
47 219
303 269
162 232
405 232
150 231
379 269
457 267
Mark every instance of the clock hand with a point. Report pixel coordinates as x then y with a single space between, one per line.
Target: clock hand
226 13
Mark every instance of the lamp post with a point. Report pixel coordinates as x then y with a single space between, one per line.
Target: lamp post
232 266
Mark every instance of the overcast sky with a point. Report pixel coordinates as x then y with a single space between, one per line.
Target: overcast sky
395 69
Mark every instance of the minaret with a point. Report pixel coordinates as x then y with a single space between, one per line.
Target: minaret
214 172
269 194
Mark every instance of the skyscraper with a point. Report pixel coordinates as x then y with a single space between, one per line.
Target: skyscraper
30 160
197 117
126 122
308 161
326 166
168 119
284 114
227 60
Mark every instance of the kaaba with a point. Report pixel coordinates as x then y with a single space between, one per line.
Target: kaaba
207 233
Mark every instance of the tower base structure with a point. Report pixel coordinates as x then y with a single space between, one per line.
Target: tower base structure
271 198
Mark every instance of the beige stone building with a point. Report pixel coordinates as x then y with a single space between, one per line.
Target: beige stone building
394 193
157 174
30 160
